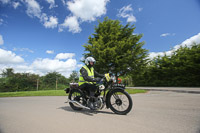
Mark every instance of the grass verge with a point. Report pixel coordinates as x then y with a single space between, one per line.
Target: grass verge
52 93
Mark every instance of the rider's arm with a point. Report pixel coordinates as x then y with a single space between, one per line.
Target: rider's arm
86 77
96 74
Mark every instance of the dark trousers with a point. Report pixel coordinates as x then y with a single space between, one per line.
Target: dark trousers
89 88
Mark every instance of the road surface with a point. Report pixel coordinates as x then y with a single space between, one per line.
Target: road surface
153 112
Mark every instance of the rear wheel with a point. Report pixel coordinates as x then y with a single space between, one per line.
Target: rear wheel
120 102
76 95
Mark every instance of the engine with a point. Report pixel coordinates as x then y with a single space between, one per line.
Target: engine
99 104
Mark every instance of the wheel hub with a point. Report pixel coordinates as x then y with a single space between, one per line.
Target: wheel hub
118 102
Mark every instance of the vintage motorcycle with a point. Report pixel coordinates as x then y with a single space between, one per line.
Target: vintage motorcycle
109 93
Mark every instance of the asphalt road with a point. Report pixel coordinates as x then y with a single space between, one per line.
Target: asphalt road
153 112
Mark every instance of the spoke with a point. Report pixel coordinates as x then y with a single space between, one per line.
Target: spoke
121 97
116 96
123 104
113 104
121 107
118 107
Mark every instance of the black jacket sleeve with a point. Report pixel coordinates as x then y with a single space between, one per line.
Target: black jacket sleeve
86 77
96 74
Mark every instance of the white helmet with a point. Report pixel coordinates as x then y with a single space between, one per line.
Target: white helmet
89 59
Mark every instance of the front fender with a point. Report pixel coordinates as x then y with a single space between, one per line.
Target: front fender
109 92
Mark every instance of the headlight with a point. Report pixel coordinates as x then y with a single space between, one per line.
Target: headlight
101 87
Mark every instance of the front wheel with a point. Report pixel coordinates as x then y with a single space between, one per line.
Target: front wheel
120 102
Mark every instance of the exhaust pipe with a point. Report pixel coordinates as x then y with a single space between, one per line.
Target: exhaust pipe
78 104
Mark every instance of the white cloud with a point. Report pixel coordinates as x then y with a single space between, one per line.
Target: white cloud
188 43
50 52
127 12
16 4
1 21
87 10
43 66
39 66
167 34
155 54
51 23
8 57
164 34
1 40
23 50
43 18
72 24
64 56
33 8
140 9
52 4
46 64
82 10
5 1
64 2
131 18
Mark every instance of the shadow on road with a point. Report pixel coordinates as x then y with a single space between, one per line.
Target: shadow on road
84 111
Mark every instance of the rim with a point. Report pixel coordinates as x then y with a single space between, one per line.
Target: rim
119 101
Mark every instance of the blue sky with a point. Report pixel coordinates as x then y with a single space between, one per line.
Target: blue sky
41 36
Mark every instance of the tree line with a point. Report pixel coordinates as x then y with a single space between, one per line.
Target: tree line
181 68
10 81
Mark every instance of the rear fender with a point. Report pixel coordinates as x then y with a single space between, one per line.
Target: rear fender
71 86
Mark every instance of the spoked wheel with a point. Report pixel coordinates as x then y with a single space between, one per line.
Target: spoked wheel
76 95
120 102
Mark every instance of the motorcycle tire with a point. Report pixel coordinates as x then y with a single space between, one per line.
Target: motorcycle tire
116 101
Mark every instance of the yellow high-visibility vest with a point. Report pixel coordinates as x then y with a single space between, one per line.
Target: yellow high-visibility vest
90 74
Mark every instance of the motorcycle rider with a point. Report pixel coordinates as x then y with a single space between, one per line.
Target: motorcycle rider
87 78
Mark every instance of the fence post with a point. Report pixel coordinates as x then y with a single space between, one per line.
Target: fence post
37 84
56 83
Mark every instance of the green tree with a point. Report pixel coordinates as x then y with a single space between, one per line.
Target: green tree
116 48
73 76
50 80
8 72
